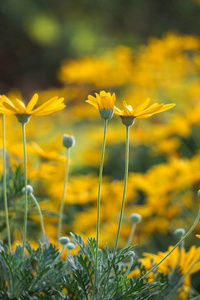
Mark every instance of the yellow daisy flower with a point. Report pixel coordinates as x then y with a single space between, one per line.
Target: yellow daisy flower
104 102
141 111
198 236
18 108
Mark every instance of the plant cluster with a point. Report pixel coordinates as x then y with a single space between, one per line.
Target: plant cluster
96 272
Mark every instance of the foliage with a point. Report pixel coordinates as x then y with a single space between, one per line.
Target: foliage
42 274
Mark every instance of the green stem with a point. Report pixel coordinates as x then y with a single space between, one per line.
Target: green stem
40 214
25 185
63 196
98 206
122 205
4 182
181 240
124 192
131 235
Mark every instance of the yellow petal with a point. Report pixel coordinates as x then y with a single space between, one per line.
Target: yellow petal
92 103
48 112
128 110
142 106
145 116
48 103
12 108
152 109
32 103
19 105
166 107
7 100
117 111
6 111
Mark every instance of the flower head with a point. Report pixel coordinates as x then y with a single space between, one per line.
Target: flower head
104 102
23 113
129 114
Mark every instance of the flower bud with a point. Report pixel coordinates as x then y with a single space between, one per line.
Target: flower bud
29 189
68 140
70 246
179 232
64 240
135 218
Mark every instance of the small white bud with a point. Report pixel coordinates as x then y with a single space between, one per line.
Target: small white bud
29 189
179 232
64 240
70 246
135 218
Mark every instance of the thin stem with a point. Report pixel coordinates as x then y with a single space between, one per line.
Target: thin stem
25 185
123 201
40 213
63 196
131 234
98 205
4 181
181 240
124 191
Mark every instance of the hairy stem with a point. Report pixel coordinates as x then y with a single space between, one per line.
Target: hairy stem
4 182
40 214
25 185
98 206
124 191
63 196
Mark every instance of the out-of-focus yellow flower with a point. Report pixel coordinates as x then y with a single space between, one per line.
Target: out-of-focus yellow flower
141 111
17 107
104 102
46 155
187 263
198 236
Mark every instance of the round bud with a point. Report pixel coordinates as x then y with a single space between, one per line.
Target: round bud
198 193
68 140
70 246
64 240
179 232
29 189
135 218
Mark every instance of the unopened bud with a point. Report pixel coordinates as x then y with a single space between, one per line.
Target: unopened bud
29 189
64 240
179 232
68 140
135 218
70 246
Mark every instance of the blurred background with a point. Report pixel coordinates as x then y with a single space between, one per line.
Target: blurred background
37 35
136 49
